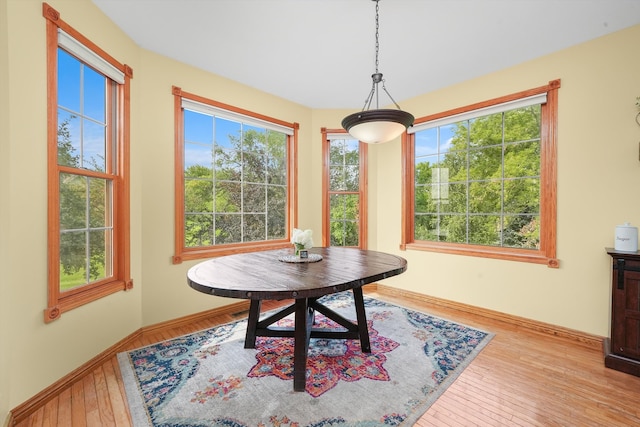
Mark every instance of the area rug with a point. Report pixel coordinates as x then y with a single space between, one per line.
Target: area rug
208 378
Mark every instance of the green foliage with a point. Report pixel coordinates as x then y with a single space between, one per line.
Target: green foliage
482 187
83 204
243 197
344 177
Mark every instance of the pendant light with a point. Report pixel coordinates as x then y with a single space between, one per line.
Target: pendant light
377 125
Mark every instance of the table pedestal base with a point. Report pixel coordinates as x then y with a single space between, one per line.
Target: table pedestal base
303 331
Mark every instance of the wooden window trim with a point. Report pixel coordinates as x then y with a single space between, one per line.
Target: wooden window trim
363 186
548 194
181 253
57 301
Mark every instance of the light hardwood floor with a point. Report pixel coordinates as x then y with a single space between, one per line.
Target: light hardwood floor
522 378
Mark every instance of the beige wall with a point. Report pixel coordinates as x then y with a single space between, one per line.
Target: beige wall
4 212
597 169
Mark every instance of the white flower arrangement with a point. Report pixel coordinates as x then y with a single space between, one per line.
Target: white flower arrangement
302 239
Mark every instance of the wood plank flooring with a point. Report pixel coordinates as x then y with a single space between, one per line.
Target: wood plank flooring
522 378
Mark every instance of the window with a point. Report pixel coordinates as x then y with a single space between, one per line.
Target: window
235 187
88 206
482 179
344 220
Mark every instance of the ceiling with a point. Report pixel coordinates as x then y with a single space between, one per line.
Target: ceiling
321 53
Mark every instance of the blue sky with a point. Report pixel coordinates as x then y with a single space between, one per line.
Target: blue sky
82 101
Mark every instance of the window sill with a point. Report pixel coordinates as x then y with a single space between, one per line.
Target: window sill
200 253
90 294
509 254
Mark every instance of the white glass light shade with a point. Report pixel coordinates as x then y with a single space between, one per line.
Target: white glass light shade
377 126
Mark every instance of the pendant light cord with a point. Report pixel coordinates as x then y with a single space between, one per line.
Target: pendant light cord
377 76
377 32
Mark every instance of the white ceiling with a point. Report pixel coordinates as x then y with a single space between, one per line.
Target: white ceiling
320 53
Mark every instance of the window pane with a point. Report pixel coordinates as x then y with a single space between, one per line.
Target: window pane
344 178
352 178
99 203
351 233
254 198
457 201
228 228
198 127
198 230
424 169
73 250
227 133
198 160
522 231
336 236
276 210
344 152
485 131
99 262
254 139
344 206
352 152
73 202
82 94
522 159
344 233
426 227
423 200
68 139
198 196
452 228
522 124
456 163
337 178
426 142
352 203
485 197
254 229
68 81
522 196
94 95
277 158
336 152
228 196
485 163
228 165
459 134
485 230
277 170
277 145
254 167
94 137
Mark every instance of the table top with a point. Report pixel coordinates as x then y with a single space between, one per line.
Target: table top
261 275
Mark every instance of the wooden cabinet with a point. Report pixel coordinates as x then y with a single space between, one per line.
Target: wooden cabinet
622 349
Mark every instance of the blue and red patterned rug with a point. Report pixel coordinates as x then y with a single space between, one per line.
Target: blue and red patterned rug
208 378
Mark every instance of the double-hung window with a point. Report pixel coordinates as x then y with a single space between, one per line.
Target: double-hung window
235 186
88 205
344 190
481 180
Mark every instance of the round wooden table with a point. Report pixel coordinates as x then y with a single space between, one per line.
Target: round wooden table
259 276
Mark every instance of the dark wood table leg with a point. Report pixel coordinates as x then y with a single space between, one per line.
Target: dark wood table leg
252 323
361 316
302 334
